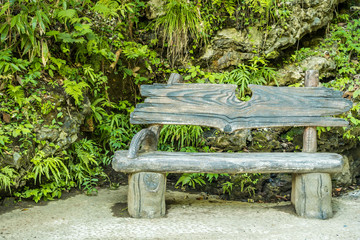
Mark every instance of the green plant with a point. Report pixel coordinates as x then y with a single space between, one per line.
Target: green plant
180 24
191 179
180 136
227 187
345 38
229 5
46 191
7 176
50 167
256 73
89 185
194 179
75 89
196 74
16 93
247 182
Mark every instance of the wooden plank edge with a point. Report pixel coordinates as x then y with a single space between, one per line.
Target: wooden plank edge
232 127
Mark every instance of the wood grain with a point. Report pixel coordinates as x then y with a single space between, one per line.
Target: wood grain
183 162
217 106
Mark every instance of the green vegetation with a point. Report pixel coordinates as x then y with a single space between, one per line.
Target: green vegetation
346 57
180 24
70 65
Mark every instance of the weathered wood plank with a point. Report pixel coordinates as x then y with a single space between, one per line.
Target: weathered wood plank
217 106
182 162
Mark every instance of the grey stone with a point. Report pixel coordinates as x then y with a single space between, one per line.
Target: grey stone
16 158
343 178
155 9
235 141
230 46
295 73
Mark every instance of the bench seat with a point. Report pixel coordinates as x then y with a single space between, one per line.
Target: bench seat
233 163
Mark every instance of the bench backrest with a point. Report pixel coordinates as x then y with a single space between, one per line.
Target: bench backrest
215 105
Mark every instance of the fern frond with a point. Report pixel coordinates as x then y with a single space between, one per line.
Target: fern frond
106 8
16 93
7 174
67 14
75 90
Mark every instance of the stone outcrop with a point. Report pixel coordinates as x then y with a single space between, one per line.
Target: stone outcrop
51 138
295 73
231 46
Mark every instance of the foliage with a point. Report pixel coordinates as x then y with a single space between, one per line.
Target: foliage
87 48
7 176
17 94
50 167
75 89
180 24
261 14
257 72
180 136
247 182
348 69
46 191
66 46
191 179
194 179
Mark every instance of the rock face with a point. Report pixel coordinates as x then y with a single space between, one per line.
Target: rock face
52 135
57 140
231 45
292 73
155 9
234 142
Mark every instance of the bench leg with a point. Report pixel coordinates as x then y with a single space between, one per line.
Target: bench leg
312 195
146 195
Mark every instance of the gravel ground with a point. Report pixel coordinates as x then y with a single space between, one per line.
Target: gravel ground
188 217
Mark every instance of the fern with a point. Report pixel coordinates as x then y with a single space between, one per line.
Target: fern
16 93
229 5
49 167
67 14
86 153
183 135
98 111
106 8
85 158
191 179
256 73
7 174
75 90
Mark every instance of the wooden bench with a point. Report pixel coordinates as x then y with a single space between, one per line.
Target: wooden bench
215 105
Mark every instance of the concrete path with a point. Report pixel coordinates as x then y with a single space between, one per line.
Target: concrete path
188 217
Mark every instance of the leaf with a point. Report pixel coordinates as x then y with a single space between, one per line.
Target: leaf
356 93
4 8
75 89
14 20
4 32
68 38
44 53
52 33
67 14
